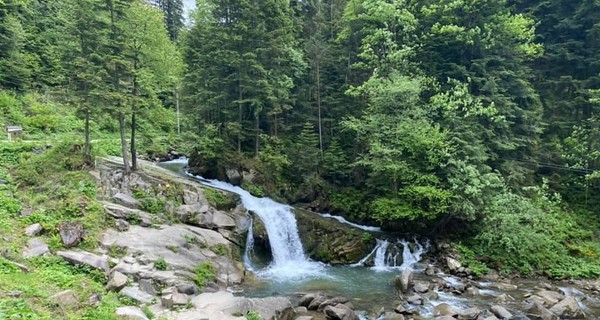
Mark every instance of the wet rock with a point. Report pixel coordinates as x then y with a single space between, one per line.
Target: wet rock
34 230
421 287
332 302
188 288
121 225
430 271
501 312
444 309
504 298
136 294
472 291
130 313
71 233
445 318
304 318
85 258
506 286
404 282
306 299
340 312
453 264
316 302
391 316
415 299
568 307
550 297
539 311
234 176
469 314
126 200
35 247
401 309
116 281
65 299
492 275
193 197
491 318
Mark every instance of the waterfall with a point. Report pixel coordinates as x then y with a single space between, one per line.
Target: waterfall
289 261
386 256
249 246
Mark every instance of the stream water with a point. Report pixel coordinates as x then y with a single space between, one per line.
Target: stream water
290 272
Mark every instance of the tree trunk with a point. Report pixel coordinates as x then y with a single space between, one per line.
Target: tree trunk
319 108
124 143
87 146
256 143
133 149
240 113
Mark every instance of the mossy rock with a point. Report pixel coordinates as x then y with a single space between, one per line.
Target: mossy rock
330 241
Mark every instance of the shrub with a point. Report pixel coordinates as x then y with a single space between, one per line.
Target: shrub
205 273
161 264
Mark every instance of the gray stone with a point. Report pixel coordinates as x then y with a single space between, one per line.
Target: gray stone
234 176
71 233
80 257
301 310
147 286
445 318
472 291
116 281
306 299
34 230
568 307
391 316
340 312
221 220
332 302
453 264
94 300
415 299
304 318
188 288
316 302
65 299
126 200
35 247
501 312
421 287
504 298
136 294
180 299
404 281
121 225
541 312
550 297
187 212
430 271
444 309
506 286
15 294
130 313
469 314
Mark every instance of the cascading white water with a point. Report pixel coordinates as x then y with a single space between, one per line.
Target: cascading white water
249 246
385 259
289 261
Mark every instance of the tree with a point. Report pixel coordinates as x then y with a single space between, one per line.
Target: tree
173 16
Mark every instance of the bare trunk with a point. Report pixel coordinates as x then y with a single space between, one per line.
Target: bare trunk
134 166
87 146
124 143
177 106
256 143
319 108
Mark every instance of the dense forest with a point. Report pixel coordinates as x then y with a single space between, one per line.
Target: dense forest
471 120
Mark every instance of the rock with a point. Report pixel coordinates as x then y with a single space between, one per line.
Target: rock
15 294
94 300
136 294
215 305
415 299
85 258
501 312
430 271
188 288
304 318
220 220
301 310
71 233
445 318
286 314
147 286
491 318
550 297
400 309
469 314
187 212
174 299
65 299
421 287
332 302
116 281
391 316
444 309
130 313
191 197
568 307
340 312
453 264
306 299
34 230
316 302
234 176
121 225
472 291
126 200
405 281
504 298
506 286
35 247
26 212
541 312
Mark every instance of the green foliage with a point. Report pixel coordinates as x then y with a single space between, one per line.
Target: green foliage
253 315
204 273
254 189
161 264
219 199
469 260
220 249
146 310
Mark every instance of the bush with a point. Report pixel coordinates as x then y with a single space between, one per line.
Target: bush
205 273
161 264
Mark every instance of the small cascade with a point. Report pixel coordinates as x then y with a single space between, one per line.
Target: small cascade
249 246
289 261
385 255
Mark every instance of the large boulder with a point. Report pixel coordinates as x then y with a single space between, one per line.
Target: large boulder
332 302
80 257
35 247
234 176
568 308
130 313
538 310
71 233
444 309
116 281
501 312
126 200
340 312
404 283
452 264
65 299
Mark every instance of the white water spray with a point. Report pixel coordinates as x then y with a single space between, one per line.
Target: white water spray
385 257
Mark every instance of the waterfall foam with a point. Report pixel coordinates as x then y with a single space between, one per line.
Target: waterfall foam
385 257
289 261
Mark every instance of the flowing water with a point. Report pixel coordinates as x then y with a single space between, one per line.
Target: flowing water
368 283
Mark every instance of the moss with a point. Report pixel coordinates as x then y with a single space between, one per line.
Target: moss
204 273
220 200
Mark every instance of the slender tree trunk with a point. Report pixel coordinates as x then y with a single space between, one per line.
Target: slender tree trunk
177 106
240 115
134 166
87 146
319 107
124 143
256 143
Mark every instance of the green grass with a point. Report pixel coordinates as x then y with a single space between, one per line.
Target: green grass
204 273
